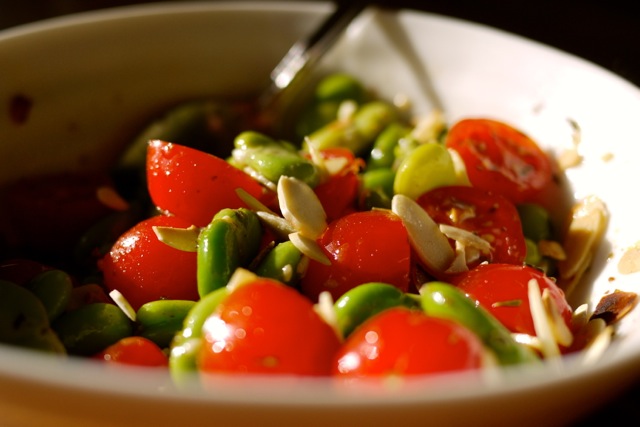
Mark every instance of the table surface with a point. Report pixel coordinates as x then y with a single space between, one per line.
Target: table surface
603 32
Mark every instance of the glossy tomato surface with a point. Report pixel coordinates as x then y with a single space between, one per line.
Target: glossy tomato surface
266 327
484 213
144 269
363 247
195 185
134 350
401 341
503 290
500 158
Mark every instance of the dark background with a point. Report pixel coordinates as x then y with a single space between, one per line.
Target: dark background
604 32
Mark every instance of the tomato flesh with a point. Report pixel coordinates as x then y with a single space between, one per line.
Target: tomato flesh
266 327
500 158
485 213
363 247
400 341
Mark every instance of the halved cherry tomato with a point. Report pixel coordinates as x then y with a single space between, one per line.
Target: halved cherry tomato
401 341
267 327
485 213
363 247
137 351
503 290
195 185
501 159
144 269
339 194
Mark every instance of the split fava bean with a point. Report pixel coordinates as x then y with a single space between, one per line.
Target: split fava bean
231 240
53 288
273 159
24 320
427 167
92 328
284 263
366 300
444 300
160 320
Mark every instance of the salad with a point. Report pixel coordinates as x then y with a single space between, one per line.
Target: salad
366 243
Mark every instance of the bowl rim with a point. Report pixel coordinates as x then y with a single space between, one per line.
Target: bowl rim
46 370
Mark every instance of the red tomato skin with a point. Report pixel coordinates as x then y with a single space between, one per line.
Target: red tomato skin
266 327
363 247
500 158
144 269
195 185
491 284
485 213
339 194
138 351
401 342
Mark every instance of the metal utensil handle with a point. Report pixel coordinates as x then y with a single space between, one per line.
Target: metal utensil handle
307 52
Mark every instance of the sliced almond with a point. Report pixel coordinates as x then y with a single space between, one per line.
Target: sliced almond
561 331
123 304
276 223
109 197
252 202
301 207
467 238
309 247
184 239
430 244
541 324
589 219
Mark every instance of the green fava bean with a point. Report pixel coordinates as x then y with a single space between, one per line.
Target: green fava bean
445 301
358 133
160 320
536 223
231 240
339 87
427 167
186 343
384 147
24 320
273 159
282 263
92 328
53 288
360 303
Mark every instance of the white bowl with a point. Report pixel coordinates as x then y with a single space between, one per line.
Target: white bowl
95 78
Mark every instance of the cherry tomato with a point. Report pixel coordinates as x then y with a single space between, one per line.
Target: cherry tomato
137 351
363 247
144 269
485 213
401 341
267 327
503 290
195 185
339 194
501 159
